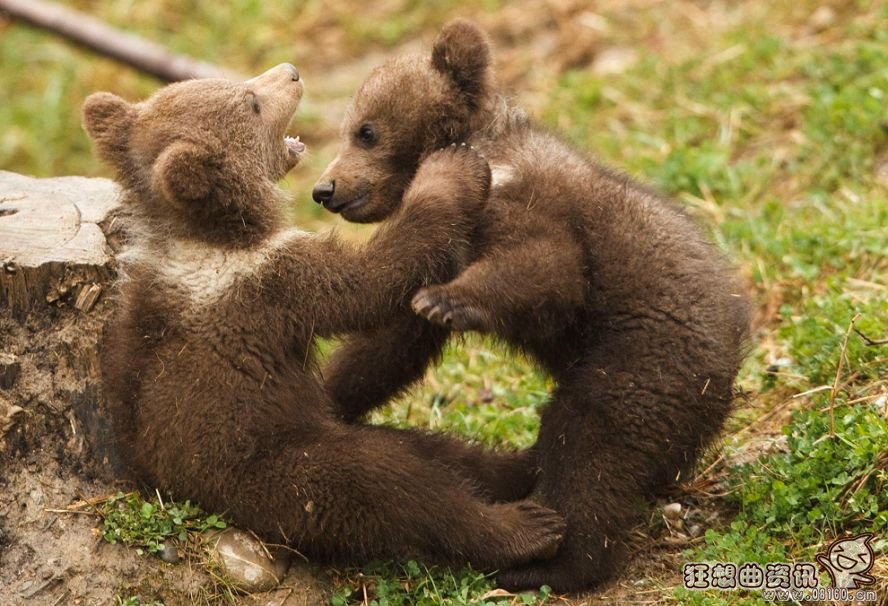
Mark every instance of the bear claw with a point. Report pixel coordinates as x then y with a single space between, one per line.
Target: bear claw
440 307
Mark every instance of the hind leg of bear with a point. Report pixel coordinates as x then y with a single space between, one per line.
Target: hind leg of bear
497 476
614 433
361 494
600 505
372 367
574 569
593 473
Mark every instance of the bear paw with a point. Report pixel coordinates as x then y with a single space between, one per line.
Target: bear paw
458 169
440 306
534 532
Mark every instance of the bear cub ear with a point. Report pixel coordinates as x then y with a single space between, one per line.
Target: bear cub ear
184 173
462 53
107 119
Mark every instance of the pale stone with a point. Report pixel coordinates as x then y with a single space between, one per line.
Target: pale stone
672 511
9 414
245 562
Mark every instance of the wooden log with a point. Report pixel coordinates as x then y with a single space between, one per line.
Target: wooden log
101 38
52 246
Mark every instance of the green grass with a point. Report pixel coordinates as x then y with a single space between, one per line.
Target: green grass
147 524
480 392
772 131
418 585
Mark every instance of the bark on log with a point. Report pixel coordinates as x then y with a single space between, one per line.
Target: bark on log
101 38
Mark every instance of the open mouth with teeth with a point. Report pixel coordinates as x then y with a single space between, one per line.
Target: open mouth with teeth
295 147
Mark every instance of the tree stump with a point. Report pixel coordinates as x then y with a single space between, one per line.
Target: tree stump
56 263
52 244
56 271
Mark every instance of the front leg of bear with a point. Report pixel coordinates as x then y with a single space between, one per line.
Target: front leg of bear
374 365
371 366
428 236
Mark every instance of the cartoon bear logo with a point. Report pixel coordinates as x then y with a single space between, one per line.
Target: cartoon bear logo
848 560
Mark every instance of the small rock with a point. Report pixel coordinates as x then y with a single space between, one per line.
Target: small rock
694 530
25 587
778 365
593 21
672 511
31 588
245 562
37 496
169 553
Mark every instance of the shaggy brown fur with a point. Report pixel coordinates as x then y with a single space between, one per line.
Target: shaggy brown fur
607 285
210 366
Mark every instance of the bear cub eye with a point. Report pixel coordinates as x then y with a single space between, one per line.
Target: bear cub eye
254 102
366 135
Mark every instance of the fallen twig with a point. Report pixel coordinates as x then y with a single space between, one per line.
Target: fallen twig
835 386
870 341
80 507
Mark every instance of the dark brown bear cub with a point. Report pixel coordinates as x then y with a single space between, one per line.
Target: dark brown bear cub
209 365
603 282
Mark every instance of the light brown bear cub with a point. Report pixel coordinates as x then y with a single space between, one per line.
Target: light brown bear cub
209 365
606 284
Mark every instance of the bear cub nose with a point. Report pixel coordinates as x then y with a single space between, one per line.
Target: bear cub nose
323 192
294 73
